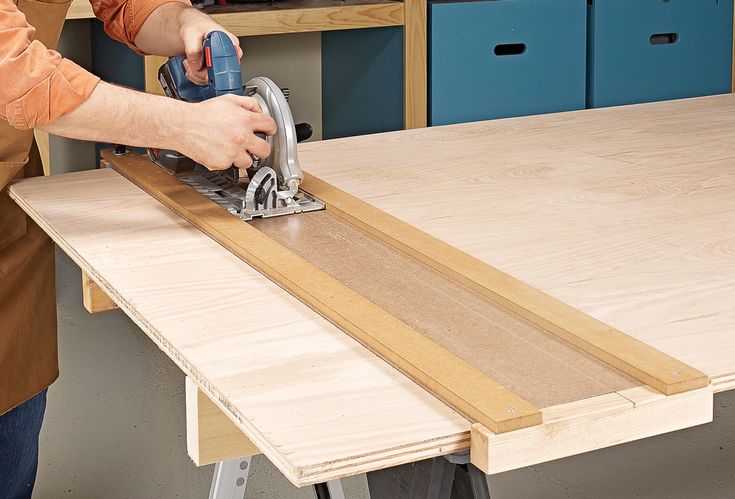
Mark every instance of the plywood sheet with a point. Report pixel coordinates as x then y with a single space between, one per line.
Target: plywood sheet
623 213
317 403
530 361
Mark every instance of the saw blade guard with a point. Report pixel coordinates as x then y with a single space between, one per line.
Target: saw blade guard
283 158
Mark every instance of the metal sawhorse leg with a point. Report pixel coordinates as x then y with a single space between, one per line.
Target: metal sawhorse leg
231 478
449 477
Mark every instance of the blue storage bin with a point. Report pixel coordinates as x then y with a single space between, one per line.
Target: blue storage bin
648 50
500 58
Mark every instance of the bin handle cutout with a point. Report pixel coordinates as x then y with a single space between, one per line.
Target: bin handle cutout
664 38
510 49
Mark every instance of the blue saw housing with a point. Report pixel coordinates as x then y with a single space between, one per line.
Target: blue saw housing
223 70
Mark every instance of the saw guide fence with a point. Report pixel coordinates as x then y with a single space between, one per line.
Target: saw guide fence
570 401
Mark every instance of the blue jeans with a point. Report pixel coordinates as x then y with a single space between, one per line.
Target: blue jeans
19 430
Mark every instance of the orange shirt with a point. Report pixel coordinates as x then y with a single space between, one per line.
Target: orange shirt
38 85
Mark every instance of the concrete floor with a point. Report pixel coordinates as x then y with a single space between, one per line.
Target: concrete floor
115 429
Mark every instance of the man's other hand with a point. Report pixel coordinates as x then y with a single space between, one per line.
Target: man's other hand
174 29
195 26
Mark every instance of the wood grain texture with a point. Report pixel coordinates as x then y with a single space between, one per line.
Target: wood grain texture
623 213
210 435
290 16
617 349
313 400
415 88
94 299
446 376
531 362
300 16
642 412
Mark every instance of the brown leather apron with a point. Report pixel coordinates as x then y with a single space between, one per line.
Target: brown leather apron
28 349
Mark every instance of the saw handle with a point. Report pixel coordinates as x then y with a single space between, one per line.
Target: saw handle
223 71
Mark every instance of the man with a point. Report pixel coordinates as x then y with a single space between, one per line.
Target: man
40 89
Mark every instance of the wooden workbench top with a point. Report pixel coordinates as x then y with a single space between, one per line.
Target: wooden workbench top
620 213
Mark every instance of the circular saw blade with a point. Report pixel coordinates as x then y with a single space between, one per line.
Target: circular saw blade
261 193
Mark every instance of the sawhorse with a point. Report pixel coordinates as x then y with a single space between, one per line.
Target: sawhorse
231 478
449 477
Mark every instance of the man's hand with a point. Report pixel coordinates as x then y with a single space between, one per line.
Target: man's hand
221 132
174 29
195 26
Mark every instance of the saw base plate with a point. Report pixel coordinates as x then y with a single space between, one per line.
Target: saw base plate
231 195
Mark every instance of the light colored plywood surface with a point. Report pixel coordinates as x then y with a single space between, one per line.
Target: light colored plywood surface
313 400
623 213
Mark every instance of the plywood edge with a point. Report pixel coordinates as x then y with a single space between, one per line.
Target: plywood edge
621 351
723 383
339 17
461 386
94 299
210 435
591 424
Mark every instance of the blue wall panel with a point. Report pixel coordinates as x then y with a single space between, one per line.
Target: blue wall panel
362 81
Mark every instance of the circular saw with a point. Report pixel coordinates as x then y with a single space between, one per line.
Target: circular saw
271 187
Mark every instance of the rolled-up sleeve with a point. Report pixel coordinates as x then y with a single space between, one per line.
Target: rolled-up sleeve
124 18
38 85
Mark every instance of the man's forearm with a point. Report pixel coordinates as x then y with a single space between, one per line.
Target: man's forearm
120 115
217 133
160 34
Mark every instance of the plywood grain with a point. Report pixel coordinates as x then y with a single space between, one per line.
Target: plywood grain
318 404
622 213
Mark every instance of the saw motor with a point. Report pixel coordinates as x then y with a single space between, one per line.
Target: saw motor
271 186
